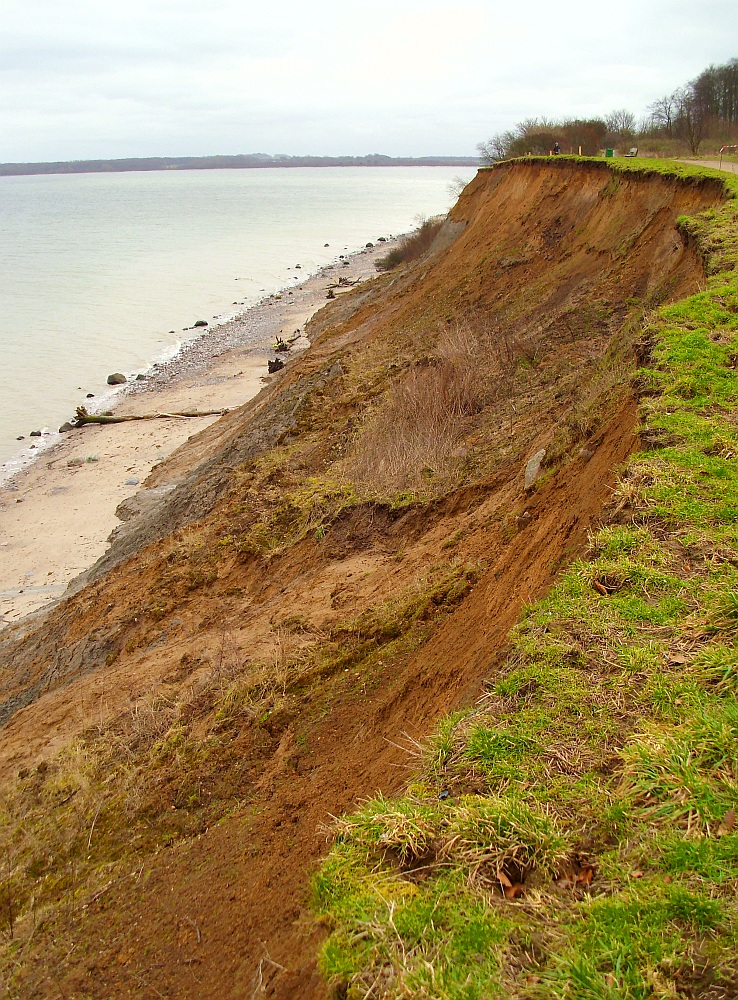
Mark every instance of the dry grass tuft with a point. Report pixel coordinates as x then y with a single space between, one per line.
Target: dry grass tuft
497 836
411 247
416 433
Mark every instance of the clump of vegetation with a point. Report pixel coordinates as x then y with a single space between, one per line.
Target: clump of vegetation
413 431
573 835
411 247
413 437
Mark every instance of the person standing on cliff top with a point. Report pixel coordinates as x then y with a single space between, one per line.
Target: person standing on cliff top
557 149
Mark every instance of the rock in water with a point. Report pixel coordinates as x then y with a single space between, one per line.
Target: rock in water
200 322
117 378
533 468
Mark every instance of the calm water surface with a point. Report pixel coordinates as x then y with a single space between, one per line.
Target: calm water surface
97 269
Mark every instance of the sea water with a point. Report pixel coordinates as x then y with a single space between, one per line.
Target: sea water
104 272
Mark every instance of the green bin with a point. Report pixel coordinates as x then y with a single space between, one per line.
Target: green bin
609 152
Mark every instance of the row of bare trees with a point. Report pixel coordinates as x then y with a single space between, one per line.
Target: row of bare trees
705 109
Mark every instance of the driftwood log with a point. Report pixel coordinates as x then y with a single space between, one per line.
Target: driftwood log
83 417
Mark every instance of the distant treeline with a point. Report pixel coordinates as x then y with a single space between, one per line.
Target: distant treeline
702 112
240 162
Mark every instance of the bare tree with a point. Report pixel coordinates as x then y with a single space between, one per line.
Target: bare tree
691 122
497 147
662 113
621 125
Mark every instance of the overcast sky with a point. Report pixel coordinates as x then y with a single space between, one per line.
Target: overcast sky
98 79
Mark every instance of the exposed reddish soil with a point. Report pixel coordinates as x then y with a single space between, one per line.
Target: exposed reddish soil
555 253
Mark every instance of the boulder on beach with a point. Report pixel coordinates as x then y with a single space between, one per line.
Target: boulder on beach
66 426
199 322
35 434
117 378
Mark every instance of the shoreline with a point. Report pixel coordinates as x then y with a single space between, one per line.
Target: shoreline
241 328
57 513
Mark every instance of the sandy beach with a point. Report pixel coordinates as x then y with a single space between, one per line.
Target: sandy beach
57 514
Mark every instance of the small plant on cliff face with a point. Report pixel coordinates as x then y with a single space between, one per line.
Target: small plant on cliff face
411 247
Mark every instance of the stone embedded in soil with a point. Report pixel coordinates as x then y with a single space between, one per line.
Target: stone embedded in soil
533 468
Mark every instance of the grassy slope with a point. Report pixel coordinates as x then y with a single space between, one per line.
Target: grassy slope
573 834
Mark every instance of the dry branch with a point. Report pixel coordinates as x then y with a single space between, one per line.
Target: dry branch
83 417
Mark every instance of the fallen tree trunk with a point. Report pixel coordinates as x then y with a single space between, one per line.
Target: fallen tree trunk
83 417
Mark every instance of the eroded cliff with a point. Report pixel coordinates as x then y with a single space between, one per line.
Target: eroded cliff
325 573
